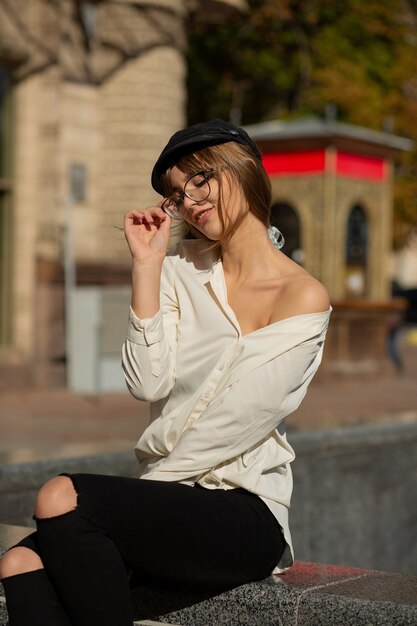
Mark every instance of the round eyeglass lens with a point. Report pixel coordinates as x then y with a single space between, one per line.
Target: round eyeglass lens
197 188
171 209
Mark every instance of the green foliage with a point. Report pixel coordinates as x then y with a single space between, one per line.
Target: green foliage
289 58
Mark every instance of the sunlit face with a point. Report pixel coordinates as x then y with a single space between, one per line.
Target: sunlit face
204 214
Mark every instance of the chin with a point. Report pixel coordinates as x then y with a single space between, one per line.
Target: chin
207 235
212 233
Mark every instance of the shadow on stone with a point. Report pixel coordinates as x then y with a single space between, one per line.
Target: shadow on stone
152 601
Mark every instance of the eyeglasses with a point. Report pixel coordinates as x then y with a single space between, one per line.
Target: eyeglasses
196 188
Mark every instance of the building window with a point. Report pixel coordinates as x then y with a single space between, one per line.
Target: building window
5 206
356 252
285 218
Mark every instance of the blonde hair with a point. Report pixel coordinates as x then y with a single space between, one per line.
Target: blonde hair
239 166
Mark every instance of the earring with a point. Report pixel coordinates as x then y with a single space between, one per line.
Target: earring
276 237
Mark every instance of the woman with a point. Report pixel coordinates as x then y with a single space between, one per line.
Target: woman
224 335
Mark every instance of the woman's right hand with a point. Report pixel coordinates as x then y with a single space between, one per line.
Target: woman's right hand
147 233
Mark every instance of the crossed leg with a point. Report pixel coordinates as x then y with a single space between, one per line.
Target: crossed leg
56 497
91 528
19 560
31 597
80 579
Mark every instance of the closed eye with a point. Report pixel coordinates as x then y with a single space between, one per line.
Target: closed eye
201 178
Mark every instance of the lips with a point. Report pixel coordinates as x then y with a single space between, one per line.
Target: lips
199 217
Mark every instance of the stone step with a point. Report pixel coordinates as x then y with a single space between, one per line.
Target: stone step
307 595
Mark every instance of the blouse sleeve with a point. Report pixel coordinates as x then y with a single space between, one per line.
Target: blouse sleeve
148 354
242 415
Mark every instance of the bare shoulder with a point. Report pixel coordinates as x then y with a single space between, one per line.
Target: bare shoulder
300 294
308 294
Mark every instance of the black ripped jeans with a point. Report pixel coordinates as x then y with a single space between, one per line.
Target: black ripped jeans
166 533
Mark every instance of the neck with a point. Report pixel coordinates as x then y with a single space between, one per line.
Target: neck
249 252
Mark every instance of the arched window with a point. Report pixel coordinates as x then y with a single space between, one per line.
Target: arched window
356 252
284 217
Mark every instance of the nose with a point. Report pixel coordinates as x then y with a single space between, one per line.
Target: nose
187 204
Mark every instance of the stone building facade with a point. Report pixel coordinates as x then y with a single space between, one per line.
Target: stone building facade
89 93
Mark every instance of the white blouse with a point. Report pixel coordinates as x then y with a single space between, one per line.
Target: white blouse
219 398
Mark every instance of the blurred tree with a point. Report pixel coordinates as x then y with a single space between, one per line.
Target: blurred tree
291 58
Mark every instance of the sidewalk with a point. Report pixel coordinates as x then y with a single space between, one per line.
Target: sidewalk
39 424
53 423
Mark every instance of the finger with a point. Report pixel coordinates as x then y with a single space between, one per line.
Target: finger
159 211
148 218
133 216
153 216
150 211
166 223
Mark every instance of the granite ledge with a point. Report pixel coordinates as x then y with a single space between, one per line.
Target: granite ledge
309 594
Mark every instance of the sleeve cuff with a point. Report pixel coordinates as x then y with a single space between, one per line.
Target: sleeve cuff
147 331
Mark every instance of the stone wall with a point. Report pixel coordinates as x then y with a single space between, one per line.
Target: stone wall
354 494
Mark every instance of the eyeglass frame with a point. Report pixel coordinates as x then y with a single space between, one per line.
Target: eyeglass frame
180 200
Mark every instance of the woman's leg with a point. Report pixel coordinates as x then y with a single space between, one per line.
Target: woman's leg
83 562
172 532
31 598
165 532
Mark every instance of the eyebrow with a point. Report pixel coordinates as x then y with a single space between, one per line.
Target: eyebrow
179 189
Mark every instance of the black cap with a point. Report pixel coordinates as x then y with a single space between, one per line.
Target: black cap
197 137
